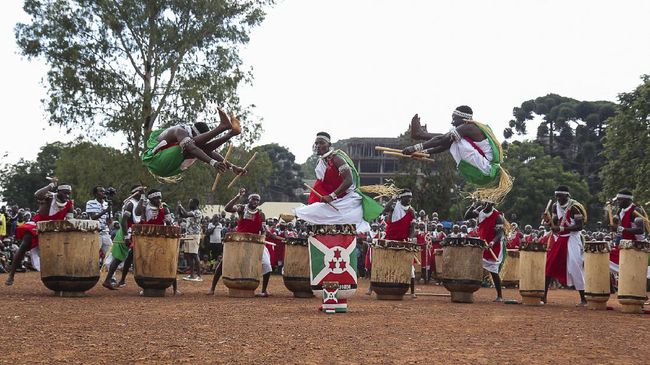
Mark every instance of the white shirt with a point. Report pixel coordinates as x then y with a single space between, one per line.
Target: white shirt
215 236
94 207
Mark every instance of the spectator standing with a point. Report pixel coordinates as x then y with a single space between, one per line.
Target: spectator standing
193 238
3 222
100 210
216 239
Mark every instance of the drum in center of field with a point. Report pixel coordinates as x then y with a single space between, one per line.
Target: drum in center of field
532 272
155 257
632 277
392 266
242 263
295 272
462 259
597 283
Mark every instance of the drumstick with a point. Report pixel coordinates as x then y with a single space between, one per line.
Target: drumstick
245 167
134 194
386 149
417 260
548 206
494 256
399 154
319 195
270 243
218 177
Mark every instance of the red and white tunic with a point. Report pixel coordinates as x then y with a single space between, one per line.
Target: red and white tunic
487 231
626 217
56 212
251 222
154 215
514 241
399 225
564 261
423 238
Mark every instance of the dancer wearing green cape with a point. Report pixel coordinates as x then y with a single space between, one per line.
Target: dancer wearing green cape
475 149
336 197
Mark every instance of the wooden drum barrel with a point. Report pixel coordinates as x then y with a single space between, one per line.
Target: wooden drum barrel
633 269
333 258
295 272
155 257
532 272
510 271
69 255
439 265
597 284
392 263
242 263
462 258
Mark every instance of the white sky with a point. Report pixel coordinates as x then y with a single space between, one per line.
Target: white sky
363 68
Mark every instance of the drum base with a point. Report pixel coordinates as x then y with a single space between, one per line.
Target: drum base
597 306
632 308
70 294
462 297
531 301
389 297
153 292
241 293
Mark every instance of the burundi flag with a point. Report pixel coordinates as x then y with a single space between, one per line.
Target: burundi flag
333 258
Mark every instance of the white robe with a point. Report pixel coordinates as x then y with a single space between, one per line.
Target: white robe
575 271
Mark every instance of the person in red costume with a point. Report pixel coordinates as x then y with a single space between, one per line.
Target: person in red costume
490 229
628 225
399 216
514 238
54 204
249 220
423 239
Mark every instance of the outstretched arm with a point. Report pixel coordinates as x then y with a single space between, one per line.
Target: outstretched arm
189 147
472 211
232 206
42 192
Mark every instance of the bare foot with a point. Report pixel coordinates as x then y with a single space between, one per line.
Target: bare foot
225 122
108 286
581 304
236 125
210 292
10 280
498 300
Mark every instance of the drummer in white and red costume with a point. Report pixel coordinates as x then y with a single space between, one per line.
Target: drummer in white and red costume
490 229
565 256
335 184
628 224
54 205
250 220
399 216
423 239
529 235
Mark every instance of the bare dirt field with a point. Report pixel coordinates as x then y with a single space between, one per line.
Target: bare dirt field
122 327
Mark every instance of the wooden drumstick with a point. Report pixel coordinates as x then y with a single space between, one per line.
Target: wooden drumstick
611 218
319 195
245 167
394 150
225 159
548 206
399 154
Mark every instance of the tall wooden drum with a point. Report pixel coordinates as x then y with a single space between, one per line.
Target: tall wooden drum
597 283
69 255
155 257
633 269
438 263
295 272
532 272
332 258
242 263
392 263
510 271
462 258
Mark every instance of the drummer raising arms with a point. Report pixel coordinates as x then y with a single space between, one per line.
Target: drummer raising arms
249 220
490 229
399 216
54 204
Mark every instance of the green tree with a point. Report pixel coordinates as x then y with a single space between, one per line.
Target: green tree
570 129
536 176
627 145
19 181
286 175
308 167
123 66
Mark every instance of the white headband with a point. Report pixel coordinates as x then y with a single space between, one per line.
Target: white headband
562 192
324 138
254 196
157 194
406 193
624 196
64 187
463 115
136 189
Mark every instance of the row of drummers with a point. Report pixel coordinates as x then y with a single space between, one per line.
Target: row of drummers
69 264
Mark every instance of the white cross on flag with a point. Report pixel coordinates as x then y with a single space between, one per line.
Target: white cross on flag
333 258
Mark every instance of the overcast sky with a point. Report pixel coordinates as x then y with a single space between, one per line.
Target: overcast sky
363 68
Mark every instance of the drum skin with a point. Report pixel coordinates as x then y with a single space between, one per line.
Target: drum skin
242 263
155 257
462 259
391 268
295 273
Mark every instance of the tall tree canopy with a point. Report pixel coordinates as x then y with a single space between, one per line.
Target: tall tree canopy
286 175
536 176
569 128
627 145
123 66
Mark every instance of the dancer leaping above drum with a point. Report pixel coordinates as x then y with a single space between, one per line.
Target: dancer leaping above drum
250 220
490 229
171 151
565 257
475 149
335 197
54 204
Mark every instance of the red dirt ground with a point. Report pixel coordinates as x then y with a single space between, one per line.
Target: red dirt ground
122 327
